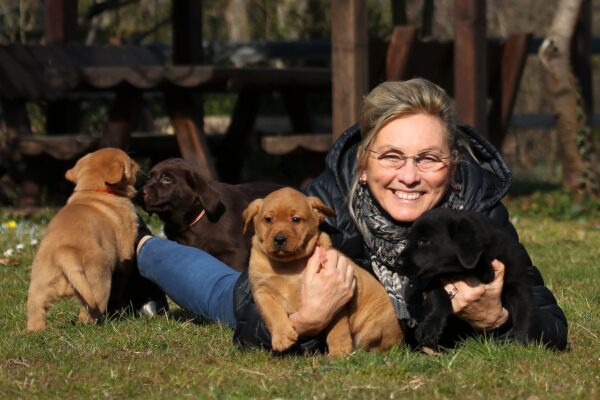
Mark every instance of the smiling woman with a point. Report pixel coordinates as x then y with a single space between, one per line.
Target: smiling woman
407 157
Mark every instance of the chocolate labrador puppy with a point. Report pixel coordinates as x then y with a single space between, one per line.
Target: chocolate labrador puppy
202 213
447 243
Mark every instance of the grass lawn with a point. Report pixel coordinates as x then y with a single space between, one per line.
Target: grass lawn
175 357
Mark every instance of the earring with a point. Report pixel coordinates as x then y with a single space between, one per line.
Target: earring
362 182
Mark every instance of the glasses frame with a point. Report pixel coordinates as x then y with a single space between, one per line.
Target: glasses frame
444 160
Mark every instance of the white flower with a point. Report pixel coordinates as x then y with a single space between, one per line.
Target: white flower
8 253
34 242
20 247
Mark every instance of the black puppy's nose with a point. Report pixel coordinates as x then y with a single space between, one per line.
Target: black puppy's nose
280 240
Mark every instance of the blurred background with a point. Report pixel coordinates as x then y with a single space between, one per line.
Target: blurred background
39 124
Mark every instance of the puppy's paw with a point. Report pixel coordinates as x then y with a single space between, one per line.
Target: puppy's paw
341 349
36 325
84 316
283 339
339 343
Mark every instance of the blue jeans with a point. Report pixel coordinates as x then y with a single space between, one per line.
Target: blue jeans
192 278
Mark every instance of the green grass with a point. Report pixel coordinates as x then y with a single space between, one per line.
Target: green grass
174 357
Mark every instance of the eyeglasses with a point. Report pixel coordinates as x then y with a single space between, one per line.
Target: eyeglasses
425 162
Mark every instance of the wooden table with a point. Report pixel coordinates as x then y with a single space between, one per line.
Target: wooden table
52 73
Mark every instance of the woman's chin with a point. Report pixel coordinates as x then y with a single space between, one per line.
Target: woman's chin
406 210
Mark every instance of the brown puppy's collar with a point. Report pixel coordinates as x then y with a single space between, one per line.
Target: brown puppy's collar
194 222
107 191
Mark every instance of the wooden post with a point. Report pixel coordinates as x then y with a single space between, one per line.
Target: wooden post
123 118
187 112
402 43
187 32
470 81
349 61
60 25
191 140
512 62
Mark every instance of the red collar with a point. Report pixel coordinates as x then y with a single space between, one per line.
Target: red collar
107 191
194 222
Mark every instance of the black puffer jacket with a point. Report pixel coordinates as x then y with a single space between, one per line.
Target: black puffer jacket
477 185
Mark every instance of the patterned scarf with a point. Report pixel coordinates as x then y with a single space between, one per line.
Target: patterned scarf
384 240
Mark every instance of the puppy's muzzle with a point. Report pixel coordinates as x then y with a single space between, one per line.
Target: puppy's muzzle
279 241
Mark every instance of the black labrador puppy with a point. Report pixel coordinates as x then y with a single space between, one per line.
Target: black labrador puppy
202 213
447 243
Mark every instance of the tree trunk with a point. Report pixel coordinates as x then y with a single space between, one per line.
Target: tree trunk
574 133
238 22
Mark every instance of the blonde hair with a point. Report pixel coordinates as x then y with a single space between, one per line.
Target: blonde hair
395 99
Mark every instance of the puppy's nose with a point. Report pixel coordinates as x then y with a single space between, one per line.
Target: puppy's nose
280 240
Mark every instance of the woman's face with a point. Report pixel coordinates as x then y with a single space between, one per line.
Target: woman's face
406 193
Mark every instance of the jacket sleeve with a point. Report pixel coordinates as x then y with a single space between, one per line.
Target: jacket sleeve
340 228
552 320
251 331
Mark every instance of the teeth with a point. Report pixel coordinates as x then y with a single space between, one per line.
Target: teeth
407 196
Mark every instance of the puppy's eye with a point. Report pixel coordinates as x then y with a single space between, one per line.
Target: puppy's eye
423 242
296 220
165 179
269 220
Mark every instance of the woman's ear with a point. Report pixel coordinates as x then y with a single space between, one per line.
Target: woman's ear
363 177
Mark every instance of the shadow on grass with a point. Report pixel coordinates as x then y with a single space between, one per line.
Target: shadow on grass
521 188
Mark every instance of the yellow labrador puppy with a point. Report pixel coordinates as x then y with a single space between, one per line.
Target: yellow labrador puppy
88 238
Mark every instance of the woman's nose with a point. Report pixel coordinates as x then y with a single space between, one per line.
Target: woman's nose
408 173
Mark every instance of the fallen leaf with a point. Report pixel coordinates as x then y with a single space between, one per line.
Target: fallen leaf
8 261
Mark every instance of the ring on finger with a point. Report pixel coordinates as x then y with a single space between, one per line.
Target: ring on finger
452 293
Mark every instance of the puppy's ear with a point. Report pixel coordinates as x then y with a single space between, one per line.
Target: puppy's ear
469 247
71 175
131 169
321 209
250 212
209 197
114 173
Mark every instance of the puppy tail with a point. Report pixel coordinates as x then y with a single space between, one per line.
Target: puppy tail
73 270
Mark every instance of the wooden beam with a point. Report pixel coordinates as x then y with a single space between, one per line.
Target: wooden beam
123 118
512 63
470 81
60 25
402 43
187 32
191 140
230 160
349 61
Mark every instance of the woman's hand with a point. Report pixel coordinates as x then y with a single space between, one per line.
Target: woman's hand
479 304
328 285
